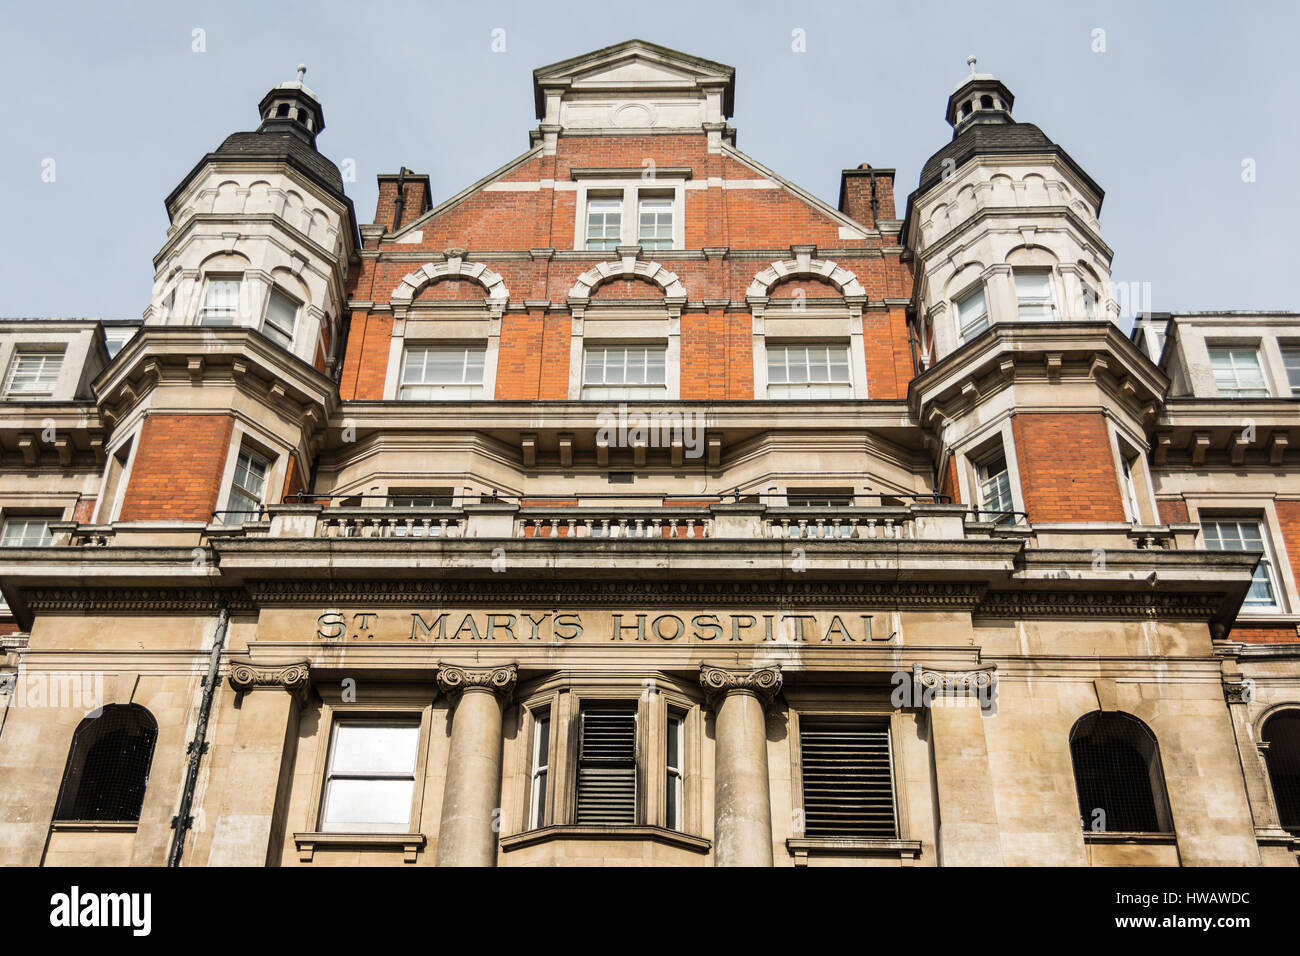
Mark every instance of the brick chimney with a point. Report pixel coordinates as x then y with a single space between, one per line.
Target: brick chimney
867 195
412 189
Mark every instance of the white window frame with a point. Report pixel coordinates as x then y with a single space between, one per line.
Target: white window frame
465 390
811 388
209 282
675 774
630 192
967 330
1045 303
1267 564
539 769
607 206
1234 352
983 477
1291 366
657 203
620 391
50 364
233 488
280 336
341 721
8 539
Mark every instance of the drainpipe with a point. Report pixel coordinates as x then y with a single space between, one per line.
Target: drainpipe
401 199
875 212
182 822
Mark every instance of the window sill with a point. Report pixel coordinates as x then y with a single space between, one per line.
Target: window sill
94 826
557 832
803 847
1119 836
409 843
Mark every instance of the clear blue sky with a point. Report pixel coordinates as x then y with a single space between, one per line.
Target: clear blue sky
1163 119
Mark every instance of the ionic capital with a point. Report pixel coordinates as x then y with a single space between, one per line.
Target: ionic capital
246 676
718 682
454 679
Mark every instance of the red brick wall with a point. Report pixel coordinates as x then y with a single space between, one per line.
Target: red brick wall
1275 634
1288 516
950 486
292 479
84 511
366 363
1172 510
717 352
176 475
1067 471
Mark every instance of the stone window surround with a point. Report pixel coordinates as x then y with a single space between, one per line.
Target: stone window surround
389 706
630 190
656 697
1144 487
73 346
1254 508
309 322
835 322
241 436
106 511
976 446
904 844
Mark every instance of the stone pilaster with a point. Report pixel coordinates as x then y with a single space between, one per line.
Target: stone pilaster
742 802
467 833
249 819
968 820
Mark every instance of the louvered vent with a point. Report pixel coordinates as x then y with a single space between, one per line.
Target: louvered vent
848 786
607 766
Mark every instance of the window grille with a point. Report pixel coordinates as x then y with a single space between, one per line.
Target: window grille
1282 734
108 766
607 765
848 783
1117 775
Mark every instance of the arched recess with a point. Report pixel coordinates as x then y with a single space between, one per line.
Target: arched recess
848 324
843 280
464 326
627 268
1279 737
1118 775
663 327
452 268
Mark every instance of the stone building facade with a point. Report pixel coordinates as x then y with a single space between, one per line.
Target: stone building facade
636 506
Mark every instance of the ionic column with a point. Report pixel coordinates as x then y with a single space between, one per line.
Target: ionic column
467 834
246 831
742 804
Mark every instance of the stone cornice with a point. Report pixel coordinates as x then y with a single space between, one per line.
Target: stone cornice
764 683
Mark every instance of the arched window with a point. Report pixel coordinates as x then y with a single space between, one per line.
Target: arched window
108 765
986 102
283 110
1282 734
1117 773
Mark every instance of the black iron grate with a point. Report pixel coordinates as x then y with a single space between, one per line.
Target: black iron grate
848 784
1117 772
1282 733
108 766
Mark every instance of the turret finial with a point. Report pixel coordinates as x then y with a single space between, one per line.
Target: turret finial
971 60
302 71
